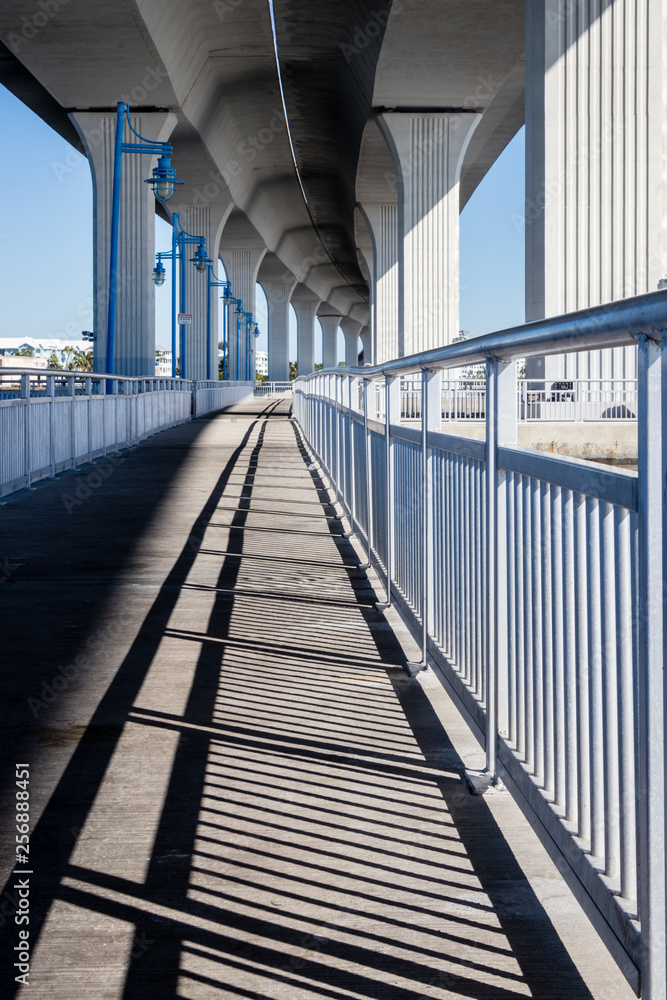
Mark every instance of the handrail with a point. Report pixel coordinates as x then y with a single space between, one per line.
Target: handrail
616 324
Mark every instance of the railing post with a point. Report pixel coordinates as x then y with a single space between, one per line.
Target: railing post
392 414
351 392
51 392
650 625
71 393
88 389
369 399
431 420
25 394
501 429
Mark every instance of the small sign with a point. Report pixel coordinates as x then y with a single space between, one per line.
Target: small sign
185 319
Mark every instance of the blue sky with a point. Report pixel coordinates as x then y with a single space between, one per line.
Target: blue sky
47 217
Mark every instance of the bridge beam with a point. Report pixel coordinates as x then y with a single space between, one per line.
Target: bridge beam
278 295
207 221
428 151
241 266
367 346
382 222
135 315
305 306
329 322
351 330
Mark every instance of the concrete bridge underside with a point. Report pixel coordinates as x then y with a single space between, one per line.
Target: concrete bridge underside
237 791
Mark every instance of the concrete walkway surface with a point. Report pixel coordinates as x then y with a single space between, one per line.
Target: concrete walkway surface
236 790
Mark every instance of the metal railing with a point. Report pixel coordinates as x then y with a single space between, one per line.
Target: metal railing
534 585
50 422
574 401
209 397
273 388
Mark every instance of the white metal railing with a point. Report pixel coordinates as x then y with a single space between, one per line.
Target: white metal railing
273 388
52 421
573 401
210 397
534 584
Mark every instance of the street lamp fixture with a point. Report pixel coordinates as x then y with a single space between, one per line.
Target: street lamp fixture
159 273
163 181
200 259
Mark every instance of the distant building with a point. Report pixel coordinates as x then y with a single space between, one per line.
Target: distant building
163 362
10 361
42 348
262 363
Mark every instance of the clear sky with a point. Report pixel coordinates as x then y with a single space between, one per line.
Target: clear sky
47 216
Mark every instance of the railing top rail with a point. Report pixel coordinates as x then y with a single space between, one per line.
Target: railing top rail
615 324
96 376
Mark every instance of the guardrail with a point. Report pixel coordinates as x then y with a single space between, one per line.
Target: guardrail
273 388
50 422
208 397
534 585
574 401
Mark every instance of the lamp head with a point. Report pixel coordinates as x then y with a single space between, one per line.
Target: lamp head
200 258
163 180
159 273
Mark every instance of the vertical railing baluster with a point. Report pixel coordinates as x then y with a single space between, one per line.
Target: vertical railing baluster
650 629
501 429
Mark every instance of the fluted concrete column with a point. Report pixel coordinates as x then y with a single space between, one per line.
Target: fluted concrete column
329 323
428 152
135 310
207 221
278 294
382 221
595 205
241 267
351 329
367 346
305 307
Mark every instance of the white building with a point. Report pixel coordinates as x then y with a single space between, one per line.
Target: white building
163 362
262 363
43 347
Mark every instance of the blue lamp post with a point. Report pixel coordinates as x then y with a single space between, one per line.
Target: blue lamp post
227 290
180 239
249 326
163 183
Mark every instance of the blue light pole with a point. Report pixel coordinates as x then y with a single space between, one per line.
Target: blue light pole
226 285
163 183
180 239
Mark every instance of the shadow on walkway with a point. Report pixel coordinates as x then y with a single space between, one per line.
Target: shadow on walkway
262 804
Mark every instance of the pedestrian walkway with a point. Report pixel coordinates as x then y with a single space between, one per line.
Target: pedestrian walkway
237 790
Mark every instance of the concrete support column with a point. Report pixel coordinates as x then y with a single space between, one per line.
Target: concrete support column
329 323
428 151
305 307
278 295
241 267
367 345
595 205
382 221
135 310
351 329
207 221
